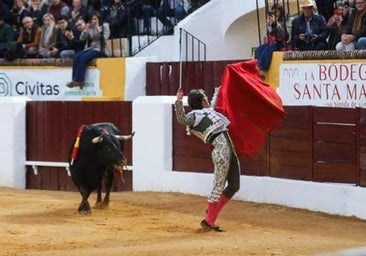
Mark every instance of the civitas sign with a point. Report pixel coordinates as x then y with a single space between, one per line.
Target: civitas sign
331 85
47 84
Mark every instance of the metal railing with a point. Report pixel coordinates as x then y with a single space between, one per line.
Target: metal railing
193 48
137 40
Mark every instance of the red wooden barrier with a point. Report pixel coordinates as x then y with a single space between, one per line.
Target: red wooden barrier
314 144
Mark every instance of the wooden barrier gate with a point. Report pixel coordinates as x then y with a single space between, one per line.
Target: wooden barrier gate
312 144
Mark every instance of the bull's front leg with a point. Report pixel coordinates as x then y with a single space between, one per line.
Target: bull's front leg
84 207
108 187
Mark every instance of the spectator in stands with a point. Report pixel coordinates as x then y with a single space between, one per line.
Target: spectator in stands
37 9
78 11
276 25
117 17
48 36
335 25
6 36
18 12
101 6
68 39
172 8
309 30
276 39
70 43
58 8
5 12
95 34
354 32
30 37
325 8
146 10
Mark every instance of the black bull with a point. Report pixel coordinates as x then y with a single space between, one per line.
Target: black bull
96 153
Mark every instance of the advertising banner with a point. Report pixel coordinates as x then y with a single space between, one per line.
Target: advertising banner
323 84
47 84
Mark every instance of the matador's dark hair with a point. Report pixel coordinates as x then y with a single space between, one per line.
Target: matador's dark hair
195 98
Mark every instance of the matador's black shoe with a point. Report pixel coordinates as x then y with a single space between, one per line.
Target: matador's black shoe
206 225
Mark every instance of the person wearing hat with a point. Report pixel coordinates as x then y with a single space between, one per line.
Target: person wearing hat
6 36
354 32
309 30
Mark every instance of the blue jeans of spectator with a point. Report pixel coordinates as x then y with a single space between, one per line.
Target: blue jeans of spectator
147 11
80 63
67 54
263 54
164 11
361 43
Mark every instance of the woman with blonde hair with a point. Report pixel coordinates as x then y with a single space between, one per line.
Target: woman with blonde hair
48 36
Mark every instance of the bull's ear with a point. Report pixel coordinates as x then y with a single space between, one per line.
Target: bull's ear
98 139
125 137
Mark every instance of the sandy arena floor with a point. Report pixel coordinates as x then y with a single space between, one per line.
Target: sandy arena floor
42 223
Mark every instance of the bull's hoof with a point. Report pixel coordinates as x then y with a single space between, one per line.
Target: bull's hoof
84 212
101 205
84 209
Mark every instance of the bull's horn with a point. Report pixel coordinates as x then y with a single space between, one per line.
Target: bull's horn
98 139
125 137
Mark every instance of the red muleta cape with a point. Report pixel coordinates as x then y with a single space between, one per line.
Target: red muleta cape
251 105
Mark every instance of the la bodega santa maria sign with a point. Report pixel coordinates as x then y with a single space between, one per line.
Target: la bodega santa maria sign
322 84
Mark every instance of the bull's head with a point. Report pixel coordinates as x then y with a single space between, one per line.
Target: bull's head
110 149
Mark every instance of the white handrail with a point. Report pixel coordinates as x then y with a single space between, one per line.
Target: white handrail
35 165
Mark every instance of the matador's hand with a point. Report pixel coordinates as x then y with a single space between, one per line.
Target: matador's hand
180 94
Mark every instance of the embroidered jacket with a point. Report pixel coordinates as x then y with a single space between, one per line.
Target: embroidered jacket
202 123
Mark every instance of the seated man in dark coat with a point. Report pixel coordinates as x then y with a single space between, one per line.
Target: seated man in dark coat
309 30
68 38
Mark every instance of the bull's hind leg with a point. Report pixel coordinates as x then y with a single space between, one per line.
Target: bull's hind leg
99 193
84 207
99 204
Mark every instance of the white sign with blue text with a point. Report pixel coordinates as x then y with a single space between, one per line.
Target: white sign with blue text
47 84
